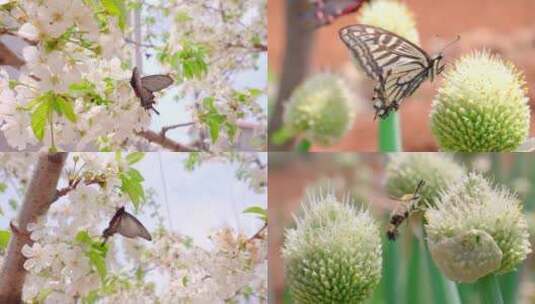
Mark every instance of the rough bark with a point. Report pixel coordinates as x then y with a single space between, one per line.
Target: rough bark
39 196
299 39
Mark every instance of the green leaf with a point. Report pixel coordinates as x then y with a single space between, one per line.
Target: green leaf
212 118
131 185
99 263
3 187
135 175
259 211
91 298
193 160
304 146
65 108
4 238
116 8
134 157
83 87
83 237
39 119
282 135
95 251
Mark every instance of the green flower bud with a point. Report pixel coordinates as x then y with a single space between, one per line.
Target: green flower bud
405 170
481 106
321 109
476 229
334 254
392 16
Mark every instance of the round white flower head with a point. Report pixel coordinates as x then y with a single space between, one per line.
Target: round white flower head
334 254
392 16
405 170
321 109
482 105
476 229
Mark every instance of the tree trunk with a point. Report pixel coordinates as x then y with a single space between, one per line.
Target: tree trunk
39 195
299 40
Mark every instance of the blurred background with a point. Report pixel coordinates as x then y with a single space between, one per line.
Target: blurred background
363 177
506 28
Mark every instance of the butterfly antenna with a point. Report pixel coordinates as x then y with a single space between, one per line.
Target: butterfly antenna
451 43
155 111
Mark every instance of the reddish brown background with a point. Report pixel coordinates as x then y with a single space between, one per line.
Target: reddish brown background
504 27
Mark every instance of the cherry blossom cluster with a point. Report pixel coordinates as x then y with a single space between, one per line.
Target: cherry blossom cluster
67 262
72 92
220 39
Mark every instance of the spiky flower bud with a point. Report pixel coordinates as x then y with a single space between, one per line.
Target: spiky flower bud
405 170
476 229
481 106
321 109
334 254
392 16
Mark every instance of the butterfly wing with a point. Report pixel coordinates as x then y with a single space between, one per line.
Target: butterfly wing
145 95
131 227
155 83
397 64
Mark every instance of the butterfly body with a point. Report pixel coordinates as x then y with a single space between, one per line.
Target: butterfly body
144 87
126 225
398 65
404 211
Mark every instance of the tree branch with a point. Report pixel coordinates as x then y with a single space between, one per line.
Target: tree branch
180 125
9 58
164 142
39 196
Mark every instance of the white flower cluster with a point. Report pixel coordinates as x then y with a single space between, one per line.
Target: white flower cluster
232 34
234 269
56 261
60 270
74 58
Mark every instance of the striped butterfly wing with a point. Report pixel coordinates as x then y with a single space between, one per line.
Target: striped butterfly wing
397 64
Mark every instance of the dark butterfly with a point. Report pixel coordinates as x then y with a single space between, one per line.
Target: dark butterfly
398 65
126 225
144 87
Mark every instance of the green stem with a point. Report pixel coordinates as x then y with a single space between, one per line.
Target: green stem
444 291
415 281
510 283
390 134
51 122
391 261
489 290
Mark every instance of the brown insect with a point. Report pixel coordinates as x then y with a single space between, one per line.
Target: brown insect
144 87
126 225
409 205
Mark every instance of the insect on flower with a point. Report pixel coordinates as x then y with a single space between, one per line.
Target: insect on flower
398 65
144 87
126 225
409 205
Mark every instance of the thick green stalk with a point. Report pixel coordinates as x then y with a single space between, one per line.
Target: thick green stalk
510 283
415 280
390 134
444 291
489 290
391 260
